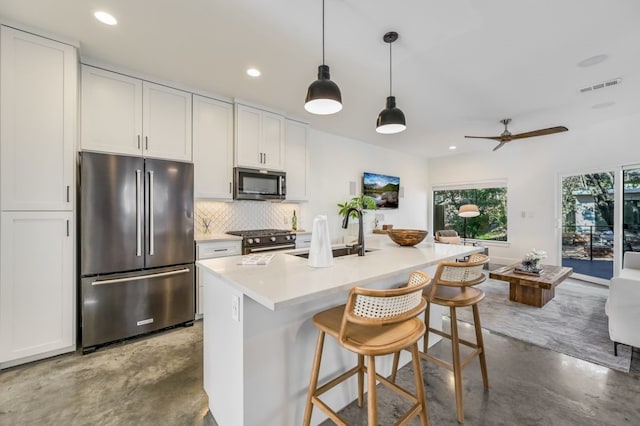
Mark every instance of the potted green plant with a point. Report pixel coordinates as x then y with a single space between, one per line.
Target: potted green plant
363 202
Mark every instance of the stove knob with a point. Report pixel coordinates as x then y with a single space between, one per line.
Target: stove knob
273 239
257 240
249 241
293 237
288 237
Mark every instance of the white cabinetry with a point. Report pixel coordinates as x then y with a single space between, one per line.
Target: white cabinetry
37 309
303 239
259 138
297 160
212 148
38 125
210 250
38 122
125 115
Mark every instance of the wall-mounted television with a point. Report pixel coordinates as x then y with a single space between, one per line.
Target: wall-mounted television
384 189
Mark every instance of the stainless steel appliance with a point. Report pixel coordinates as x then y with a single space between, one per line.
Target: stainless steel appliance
261 240
136 247
253 184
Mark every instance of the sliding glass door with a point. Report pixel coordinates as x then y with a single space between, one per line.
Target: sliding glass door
588 219
631 209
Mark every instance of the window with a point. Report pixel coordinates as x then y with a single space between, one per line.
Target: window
491 200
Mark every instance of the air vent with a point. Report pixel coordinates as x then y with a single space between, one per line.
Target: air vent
602 85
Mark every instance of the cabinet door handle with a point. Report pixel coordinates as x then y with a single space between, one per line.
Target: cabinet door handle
67 227
223 249
265 158
146 143
68 189
260 158
229 187
138 141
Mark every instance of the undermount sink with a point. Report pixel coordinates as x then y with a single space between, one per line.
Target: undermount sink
337 252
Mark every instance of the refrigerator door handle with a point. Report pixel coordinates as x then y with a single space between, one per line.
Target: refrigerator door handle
138 214
142 277
151 231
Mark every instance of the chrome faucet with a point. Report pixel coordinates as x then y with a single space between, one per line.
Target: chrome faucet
345 223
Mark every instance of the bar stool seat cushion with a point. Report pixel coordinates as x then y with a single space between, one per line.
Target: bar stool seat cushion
368 340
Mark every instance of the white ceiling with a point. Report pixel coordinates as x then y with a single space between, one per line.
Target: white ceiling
458 66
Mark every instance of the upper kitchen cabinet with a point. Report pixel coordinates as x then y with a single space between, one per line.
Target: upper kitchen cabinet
38 110
125 115
166 122
212 148
259 138
297 160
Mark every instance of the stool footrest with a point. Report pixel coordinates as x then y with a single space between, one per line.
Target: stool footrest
448 365
334 382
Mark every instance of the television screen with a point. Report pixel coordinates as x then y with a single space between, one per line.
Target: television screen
383 188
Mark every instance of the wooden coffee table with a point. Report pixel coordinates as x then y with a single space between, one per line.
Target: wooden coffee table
529 289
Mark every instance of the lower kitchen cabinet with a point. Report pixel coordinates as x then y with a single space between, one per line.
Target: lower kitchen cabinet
303 240
210 250
37 287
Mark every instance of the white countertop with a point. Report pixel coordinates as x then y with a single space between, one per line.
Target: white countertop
200 238
289 280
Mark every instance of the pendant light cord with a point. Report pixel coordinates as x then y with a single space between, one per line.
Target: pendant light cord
390 69
322 32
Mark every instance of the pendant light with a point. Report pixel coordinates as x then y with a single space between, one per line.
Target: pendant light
391 119
323 95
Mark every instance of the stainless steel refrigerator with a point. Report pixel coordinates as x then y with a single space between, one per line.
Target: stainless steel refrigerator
136 247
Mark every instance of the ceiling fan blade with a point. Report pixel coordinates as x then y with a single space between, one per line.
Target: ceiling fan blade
493 138
500 145
541 132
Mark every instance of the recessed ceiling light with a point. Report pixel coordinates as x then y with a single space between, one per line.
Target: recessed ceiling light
105 18
594 60
453 147
253 72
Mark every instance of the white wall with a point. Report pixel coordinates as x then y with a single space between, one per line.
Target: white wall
533 169
336 161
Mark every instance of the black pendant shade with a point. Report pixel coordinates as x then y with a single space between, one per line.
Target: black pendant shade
391 119
323 95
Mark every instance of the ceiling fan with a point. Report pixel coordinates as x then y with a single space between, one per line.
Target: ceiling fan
506 136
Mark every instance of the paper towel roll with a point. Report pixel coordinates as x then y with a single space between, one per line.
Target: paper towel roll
320 255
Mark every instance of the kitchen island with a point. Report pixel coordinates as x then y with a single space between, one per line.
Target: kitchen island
258 338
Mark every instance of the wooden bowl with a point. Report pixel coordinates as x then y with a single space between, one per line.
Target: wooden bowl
407 237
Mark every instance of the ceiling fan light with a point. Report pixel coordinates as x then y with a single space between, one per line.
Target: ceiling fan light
323 95
391 119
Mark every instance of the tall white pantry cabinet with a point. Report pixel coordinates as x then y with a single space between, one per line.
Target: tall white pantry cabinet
38 131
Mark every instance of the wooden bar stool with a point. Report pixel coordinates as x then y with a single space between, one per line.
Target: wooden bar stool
373 323
452 287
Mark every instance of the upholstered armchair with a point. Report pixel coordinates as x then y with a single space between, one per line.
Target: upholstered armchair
447 236
623 305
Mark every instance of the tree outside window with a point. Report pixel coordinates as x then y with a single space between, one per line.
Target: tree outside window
490 225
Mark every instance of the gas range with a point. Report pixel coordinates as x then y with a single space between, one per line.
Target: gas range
259 240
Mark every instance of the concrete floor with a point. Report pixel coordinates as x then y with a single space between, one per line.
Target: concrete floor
158 381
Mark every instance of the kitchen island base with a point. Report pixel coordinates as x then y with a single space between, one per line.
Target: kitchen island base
256 370
258 335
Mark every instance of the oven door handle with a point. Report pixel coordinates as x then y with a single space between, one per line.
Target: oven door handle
272 248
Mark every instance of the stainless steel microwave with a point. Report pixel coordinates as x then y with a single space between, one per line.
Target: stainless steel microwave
255 184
